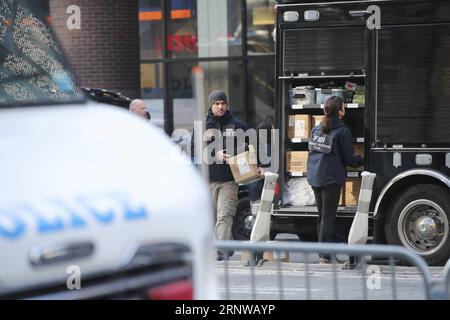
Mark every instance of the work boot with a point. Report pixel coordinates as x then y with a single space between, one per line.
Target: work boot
329 260
323 260
221 255
256 259
351 264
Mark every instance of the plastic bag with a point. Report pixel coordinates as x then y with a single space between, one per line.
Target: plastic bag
298 193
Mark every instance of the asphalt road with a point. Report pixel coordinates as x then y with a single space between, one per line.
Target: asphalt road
350 283
319 281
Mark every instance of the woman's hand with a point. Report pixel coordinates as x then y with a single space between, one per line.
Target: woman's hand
260 171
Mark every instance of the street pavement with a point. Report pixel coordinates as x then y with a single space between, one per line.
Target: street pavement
326 282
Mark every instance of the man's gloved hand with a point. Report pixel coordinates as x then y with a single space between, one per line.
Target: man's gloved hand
209 134
221 156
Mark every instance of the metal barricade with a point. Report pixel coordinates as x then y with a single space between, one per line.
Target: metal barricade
307 279
446 280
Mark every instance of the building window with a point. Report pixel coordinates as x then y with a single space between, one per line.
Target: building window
260 26
204 28
261 90
150 29
224 75
207 34
152 90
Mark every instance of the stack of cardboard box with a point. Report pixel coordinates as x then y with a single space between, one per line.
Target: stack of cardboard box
296 161
342 197
299 126
353 185
317 120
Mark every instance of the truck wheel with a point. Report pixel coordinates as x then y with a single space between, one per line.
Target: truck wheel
419 219
243 220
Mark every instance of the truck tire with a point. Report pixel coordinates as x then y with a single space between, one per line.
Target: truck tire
243 220
419 219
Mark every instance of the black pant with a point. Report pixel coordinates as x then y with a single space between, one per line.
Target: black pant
327 199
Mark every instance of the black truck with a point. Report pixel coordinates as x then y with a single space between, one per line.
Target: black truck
397 55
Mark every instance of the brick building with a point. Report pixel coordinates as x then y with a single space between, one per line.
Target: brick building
104 52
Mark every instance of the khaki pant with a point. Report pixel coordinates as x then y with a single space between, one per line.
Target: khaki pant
225 198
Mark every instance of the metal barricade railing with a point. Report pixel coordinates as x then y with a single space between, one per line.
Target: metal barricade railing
446 279
343 283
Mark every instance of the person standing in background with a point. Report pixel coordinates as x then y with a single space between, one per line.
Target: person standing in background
138 107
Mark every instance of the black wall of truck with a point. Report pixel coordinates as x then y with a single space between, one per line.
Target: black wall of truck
405 121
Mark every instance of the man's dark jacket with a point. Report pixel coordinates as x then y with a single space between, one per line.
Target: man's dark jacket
226 124
329 168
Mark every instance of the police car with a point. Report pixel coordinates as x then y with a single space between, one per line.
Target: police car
93 200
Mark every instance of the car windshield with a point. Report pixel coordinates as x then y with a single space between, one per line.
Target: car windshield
33 69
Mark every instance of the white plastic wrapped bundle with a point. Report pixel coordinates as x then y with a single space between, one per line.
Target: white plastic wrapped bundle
298 193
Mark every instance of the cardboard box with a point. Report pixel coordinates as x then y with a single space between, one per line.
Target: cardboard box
352 188
342 197
299 126
296 161
268 255
244 166
283 256
316 120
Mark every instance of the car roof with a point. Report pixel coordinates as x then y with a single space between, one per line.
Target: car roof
107 96
104 166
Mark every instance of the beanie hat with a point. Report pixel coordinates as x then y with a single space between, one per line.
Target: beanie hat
217 95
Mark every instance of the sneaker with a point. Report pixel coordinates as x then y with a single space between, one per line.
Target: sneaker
328 260
220 256
349 266
257 259
224 256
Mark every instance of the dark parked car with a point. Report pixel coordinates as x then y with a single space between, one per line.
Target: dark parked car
106 96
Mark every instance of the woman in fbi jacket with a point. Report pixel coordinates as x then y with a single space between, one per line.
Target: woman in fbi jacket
330 151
